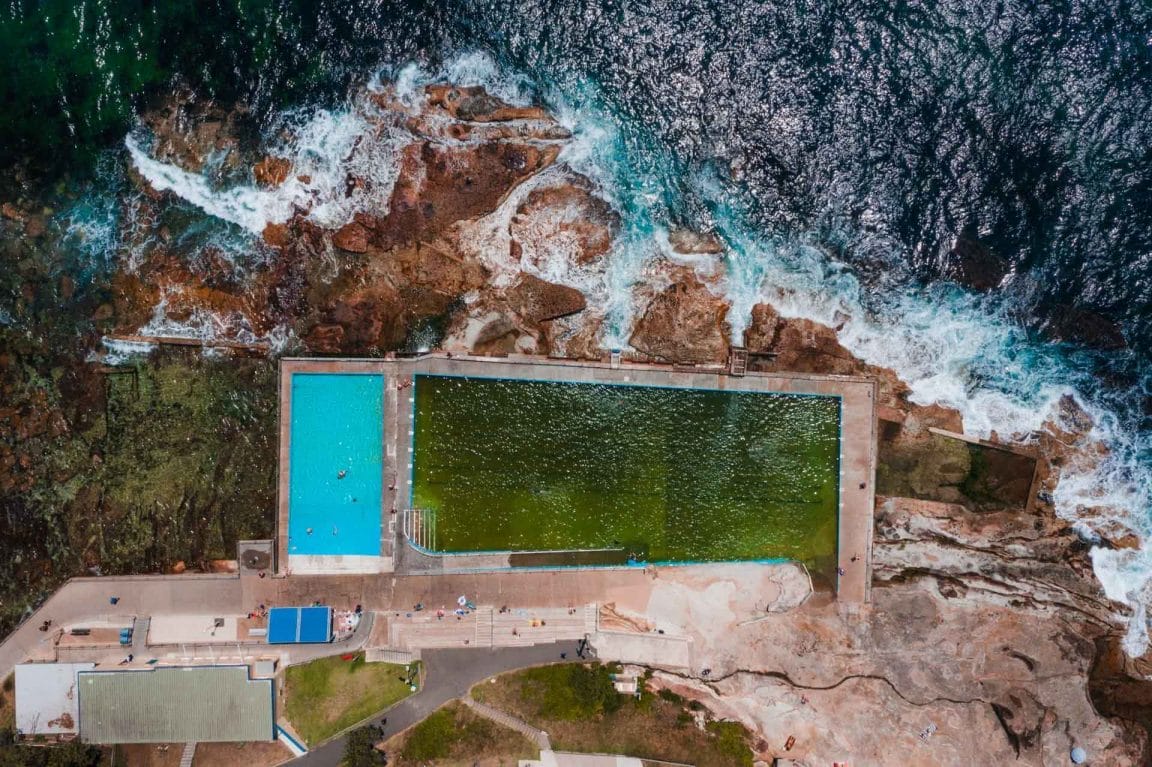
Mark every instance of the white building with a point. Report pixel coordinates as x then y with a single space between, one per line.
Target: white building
46 699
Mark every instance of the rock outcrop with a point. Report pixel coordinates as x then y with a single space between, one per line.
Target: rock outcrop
988 639
685 322
1081 326
972 264
363 287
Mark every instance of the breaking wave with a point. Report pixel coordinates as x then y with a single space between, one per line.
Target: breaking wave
950 346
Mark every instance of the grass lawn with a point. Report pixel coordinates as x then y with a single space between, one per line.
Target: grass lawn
579 709
328 695
454 736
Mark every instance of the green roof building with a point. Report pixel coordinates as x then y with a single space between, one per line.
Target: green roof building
175 705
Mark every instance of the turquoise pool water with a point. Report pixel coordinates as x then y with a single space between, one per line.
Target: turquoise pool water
336 471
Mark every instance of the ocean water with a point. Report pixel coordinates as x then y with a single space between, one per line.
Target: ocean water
838 148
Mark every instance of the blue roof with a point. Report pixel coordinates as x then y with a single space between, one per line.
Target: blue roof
299 625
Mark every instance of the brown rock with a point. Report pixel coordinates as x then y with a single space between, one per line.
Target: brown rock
567 216
351 237
276 235
684 322
11 212
585 344
475 104
440 185
325 339
687 242
272 171
762 331
35 227
536 300
186 130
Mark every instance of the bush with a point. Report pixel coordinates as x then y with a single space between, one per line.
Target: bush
360 748
670 696
573 692
732 741
432 738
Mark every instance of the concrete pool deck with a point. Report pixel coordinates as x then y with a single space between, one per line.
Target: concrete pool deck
857 440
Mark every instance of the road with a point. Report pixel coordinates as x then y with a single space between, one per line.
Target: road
448 675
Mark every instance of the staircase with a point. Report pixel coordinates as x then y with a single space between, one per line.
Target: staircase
539 737
389 655
591 618
419 527
188 755
737 361
483 626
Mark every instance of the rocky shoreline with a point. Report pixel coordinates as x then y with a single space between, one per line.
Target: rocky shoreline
986 611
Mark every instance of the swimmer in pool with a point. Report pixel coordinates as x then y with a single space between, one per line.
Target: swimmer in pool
309 531
334 531
341 474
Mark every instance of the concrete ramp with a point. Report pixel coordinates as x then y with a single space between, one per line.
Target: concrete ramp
662 650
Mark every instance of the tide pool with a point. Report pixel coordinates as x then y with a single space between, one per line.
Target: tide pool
671 475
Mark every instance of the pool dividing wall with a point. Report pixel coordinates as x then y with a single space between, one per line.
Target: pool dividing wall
664 474
336 466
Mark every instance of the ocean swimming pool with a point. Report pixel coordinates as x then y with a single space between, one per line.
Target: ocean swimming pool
336 464
670 474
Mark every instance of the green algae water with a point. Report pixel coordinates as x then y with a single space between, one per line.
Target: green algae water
671 475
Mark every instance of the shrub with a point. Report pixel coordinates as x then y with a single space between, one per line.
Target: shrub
670 696
360 748
732 741
572 692
432 738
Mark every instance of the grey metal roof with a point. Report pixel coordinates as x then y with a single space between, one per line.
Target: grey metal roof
175 705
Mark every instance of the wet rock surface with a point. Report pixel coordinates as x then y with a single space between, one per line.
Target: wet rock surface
973 265
1080 326
987 622
684 322
366 285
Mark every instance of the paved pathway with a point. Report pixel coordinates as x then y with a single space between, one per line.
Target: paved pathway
449 675
88 599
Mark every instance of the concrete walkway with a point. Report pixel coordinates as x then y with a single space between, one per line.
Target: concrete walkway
449 674
88 599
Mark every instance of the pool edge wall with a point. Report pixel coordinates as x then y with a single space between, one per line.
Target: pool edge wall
857 450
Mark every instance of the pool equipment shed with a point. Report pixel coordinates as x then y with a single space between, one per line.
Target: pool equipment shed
299 625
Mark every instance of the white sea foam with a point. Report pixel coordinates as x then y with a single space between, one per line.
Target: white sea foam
245 206
325 148
952 348
118 352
